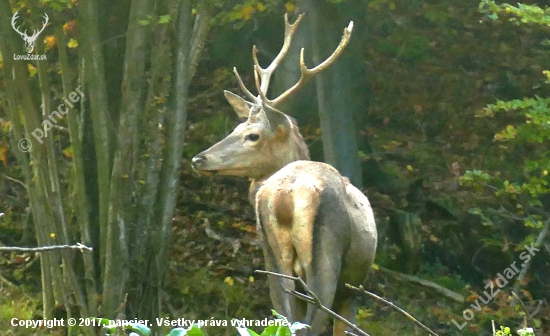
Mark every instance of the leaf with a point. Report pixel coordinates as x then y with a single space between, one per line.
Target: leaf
144 22
195 331
140 329
177 332
298 326
68 152
391 145
164 19
32 69
271 330
246 332
4 154
72 43
49 42
246 11
290 7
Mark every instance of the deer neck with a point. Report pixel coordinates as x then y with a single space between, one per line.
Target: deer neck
296 150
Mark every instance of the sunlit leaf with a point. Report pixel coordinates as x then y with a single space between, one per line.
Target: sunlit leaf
49 42
72 43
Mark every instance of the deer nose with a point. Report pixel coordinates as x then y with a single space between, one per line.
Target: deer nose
197 161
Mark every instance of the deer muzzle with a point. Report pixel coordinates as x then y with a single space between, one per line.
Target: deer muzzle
198 163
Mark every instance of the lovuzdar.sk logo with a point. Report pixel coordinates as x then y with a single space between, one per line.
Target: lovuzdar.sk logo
29 40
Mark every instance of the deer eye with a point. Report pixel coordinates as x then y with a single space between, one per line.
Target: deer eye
252 137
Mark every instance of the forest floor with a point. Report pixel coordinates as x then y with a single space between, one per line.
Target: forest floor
211 274
214 254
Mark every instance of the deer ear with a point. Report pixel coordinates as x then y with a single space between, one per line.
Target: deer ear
240 106
279 122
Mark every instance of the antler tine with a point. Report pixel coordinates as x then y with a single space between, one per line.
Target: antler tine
37 32
265 74
45 22
306 74
242 86
258 84
13 19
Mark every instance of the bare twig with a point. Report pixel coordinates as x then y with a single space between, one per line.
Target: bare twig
527 313
522 304
410 278
78 246
313 299
15 180
7 282
409 316
537 309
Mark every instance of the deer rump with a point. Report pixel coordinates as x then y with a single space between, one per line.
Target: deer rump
313 223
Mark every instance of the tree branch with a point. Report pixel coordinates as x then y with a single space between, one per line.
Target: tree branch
313 299
407 315
78 246
440 289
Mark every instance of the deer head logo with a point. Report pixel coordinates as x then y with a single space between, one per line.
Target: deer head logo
29 40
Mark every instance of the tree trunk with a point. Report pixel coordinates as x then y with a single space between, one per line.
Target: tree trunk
337 102
175 134
102 125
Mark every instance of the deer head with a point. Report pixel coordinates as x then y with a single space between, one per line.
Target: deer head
29 40
268 139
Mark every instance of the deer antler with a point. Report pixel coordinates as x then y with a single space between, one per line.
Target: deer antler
13 19
306 74
265 74
262 76
36 33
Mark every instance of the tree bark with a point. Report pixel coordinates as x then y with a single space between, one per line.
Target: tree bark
175 134
102 125
335 87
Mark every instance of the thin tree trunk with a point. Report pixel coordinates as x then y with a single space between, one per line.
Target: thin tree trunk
103 128
153 139
80 202
175 133
15 74
121 207
334 93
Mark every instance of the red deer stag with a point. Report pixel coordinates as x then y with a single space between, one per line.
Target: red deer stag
311 221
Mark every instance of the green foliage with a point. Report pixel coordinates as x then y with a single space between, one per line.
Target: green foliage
526 332
522 13
162 19
525 139
505 331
